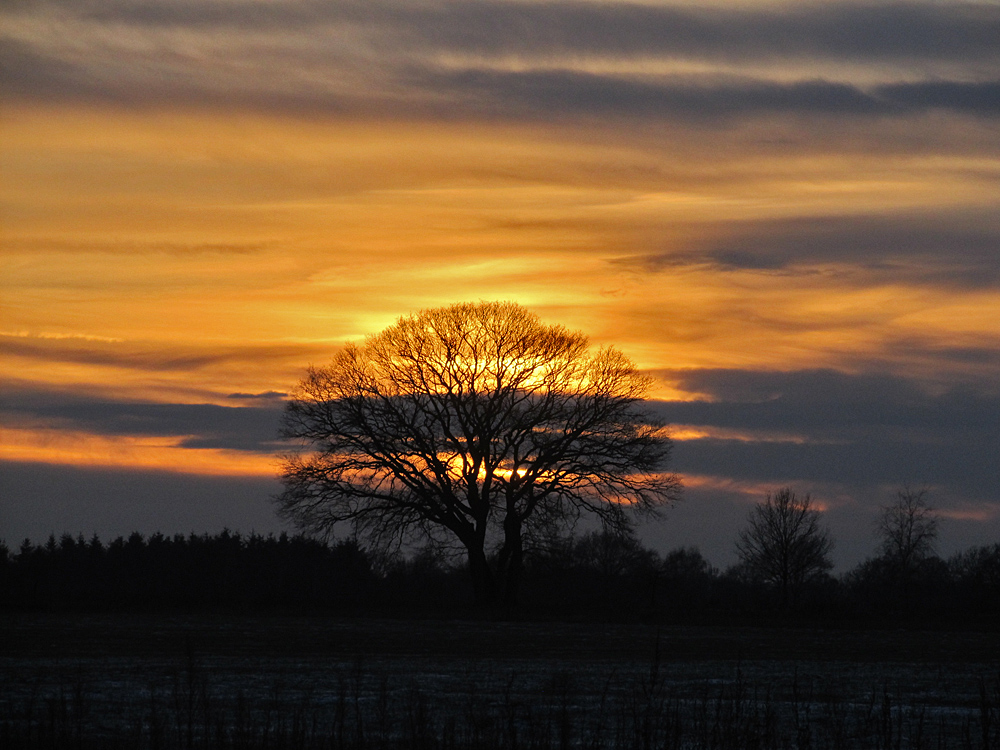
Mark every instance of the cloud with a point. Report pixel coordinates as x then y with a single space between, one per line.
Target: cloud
511 59
132 245
115 353
822 425
969 355
547 92
428 90
958 248
955 30
29 71
244 428
857 430
567 92
968 468
857 438
977 98
848 30
828 403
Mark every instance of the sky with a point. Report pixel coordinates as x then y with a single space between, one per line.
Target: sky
787 213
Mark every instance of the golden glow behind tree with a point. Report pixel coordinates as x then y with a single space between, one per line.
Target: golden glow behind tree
474 423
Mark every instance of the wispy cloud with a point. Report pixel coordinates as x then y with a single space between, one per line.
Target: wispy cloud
829 403
857 430
960 248
250 427
514 59
953 30
873 462
555 92
113 352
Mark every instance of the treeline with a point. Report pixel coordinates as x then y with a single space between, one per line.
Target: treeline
594 576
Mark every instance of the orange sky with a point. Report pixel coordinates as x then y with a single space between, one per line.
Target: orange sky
236 236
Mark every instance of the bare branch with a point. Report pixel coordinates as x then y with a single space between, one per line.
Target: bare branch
908 528
477 419
783 543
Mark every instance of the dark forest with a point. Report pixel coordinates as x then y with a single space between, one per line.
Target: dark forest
596 576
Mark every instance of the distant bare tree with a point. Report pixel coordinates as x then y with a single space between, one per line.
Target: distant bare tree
474 423
908 529
784 544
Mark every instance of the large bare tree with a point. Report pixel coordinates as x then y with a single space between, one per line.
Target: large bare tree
475 424
784 544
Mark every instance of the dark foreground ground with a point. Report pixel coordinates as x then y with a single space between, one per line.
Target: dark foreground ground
225 681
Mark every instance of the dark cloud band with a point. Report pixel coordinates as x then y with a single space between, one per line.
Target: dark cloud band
385 57
137 357
246 428
543 93
814 424
848 30
969 471
960 248
833 427
829 405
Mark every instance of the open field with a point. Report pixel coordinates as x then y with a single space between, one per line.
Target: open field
232 681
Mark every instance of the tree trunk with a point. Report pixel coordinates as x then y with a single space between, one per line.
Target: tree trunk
484 588
511 560
784 586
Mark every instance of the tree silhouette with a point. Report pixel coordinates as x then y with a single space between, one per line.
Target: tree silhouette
473 424
906 572
783 544
907 529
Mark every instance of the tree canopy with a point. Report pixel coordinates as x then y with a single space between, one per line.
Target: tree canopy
784 544
474 424
907 528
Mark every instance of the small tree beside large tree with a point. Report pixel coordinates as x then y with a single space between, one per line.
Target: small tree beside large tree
474 424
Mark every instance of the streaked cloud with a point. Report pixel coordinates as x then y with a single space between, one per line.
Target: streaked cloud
965 31
251 427
512 59
109 352
962 248
128 453
828 405
864 462
565 92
